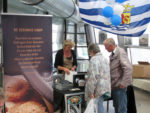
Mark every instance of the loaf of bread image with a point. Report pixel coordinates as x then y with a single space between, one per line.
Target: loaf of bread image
22 98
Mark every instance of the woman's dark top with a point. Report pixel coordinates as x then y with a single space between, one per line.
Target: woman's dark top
59 59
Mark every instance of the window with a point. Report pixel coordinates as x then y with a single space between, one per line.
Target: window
77 34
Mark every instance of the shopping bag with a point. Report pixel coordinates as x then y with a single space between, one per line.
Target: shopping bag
91 107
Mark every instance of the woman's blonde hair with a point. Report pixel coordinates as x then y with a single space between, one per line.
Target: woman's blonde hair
68 43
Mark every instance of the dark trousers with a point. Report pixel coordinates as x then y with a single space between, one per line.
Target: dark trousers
131 103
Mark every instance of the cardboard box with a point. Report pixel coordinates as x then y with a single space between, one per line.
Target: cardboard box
141 71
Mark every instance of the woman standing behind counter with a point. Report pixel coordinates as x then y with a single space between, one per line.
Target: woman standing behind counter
65 59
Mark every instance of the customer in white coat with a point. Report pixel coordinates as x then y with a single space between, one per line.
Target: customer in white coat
98 82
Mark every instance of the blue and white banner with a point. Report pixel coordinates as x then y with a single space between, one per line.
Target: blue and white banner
134 17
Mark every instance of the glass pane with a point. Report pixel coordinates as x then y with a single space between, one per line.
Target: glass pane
56 46
54 54
139 54
135 41
80 29
104 52
0 36
96 32
70 29
99 34
70 37
70 23
102 37
127 41
129 54
1 54
143 40
82 66
15 6
57 36
81 40
110 35
82 53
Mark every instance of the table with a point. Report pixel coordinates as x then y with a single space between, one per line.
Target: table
62 97
74 102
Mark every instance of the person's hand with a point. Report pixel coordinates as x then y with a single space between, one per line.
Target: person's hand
121 86
73 68
1 103
67 71
86 77
92 96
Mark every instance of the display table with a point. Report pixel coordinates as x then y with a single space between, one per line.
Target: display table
70 101
74 102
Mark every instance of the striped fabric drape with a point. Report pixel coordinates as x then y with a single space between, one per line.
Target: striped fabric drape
135 17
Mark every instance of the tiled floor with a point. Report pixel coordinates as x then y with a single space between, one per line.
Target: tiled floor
142 102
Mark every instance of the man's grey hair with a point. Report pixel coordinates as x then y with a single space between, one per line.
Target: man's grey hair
93 48
109 41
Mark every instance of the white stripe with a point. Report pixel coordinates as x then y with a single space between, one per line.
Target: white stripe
102 18
94 4
128 31
93 18
140 17
102 4
137 3
99 18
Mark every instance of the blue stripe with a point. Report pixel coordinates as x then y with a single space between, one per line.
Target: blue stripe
97 23
131 25
91 11
140 23
140 10
92 0
128 35
87 0
98 11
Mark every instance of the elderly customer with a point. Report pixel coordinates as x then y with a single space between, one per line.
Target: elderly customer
65 59
121 75
98 80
